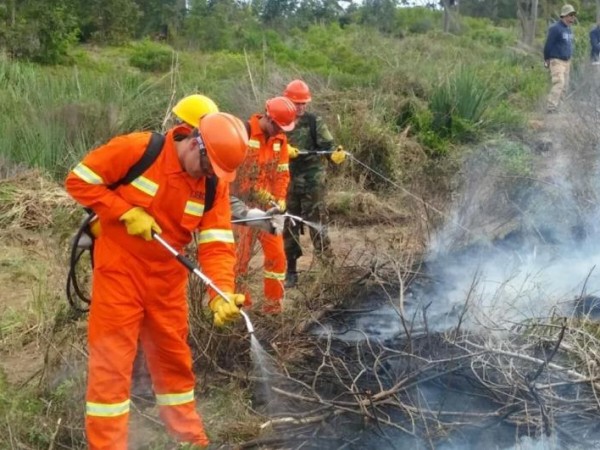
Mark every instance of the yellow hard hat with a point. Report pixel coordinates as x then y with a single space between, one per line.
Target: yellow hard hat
192 108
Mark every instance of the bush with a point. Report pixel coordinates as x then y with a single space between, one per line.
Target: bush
458 105
418 20
511 158
151 57
44 35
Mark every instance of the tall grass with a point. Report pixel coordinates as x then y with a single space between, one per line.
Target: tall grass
459 104
55 115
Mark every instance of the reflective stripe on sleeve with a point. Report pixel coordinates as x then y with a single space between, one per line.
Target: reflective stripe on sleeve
277 147
275 275
145 185
175 399
194 208
283 167
207 236
253 143
87 174
107 409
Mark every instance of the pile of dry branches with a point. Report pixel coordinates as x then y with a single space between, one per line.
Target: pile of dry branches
28 200
537 379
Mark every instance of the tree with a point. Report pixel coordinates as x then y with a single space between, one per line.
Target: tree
108 21
277 10
311 12
450 14
39 30
527 11
379 14
160 18
491 9
221 24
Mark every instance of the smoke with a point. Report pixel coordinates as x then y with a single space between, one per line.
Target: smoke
523 239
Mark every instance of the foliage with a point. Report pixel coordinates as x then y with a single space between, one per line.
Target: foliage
378 14
514 158
81 110
22 415
43 33
458 105
366 126
443 107
108 21
482 30
151 57
416 20
160 18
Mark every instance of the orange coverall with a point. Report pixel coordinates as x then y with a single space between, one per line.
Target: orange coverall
266 168
139 289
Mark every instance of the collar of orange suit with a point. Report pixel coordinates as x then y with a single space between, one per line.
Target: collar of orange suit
257 132
172 164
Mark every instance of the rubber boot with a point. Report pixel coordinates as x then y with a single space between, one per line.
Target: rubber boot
291 275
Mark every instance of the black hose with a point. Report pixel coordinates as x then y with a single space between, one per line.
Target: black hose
75 294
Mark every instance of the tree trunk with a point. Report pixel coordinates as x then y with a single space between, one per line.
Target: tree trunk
527 14
13 13
450 15
446 18
597 11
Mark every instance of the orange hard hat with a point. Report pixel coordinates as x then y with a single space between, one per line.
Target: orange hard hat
282 111
226 141
297 91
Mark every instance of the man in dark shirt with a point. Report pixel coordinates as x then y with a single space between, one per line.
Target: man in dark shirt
557 54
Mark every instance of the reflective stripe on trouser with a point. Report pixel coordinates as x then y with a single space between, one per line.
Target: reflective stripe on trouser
133 299
559 73
274 261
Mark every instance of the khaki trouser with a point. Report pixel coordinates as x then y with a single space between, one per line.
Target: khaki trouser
559 73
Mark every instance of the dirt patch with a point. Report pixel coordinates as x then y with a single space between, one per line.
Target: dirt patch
23 364
30 280
15 279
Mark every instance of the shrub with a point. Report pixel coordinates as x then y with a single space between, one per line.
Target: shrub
458 105
511 158
417 20
151 57
44 35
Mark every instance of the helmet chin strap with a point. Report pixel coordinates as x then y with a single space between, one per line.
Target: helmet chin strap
205 163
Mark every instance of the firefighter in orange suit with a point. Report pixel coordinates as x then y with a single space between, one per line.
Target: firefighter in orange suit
139 289
263 181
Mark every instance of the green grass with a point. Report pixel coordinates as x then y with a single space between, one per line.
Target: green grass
58 114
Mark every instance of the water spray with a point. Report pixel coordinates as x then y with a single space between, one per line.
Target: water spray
193 268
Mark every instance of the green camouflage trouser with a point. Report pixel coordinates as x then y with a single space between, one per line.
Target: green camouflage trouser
307 202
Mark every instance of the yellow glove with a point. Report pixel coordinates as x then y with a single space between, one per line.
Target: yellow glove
293 152
339 155
264 197
226 310
95 228
281 205
140 223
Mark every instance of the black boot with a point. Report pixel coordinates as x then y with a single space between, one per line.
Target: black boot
291 275
291 279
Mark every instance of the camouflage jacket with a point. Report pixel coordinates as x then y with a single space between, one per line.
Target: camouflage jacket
308 170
